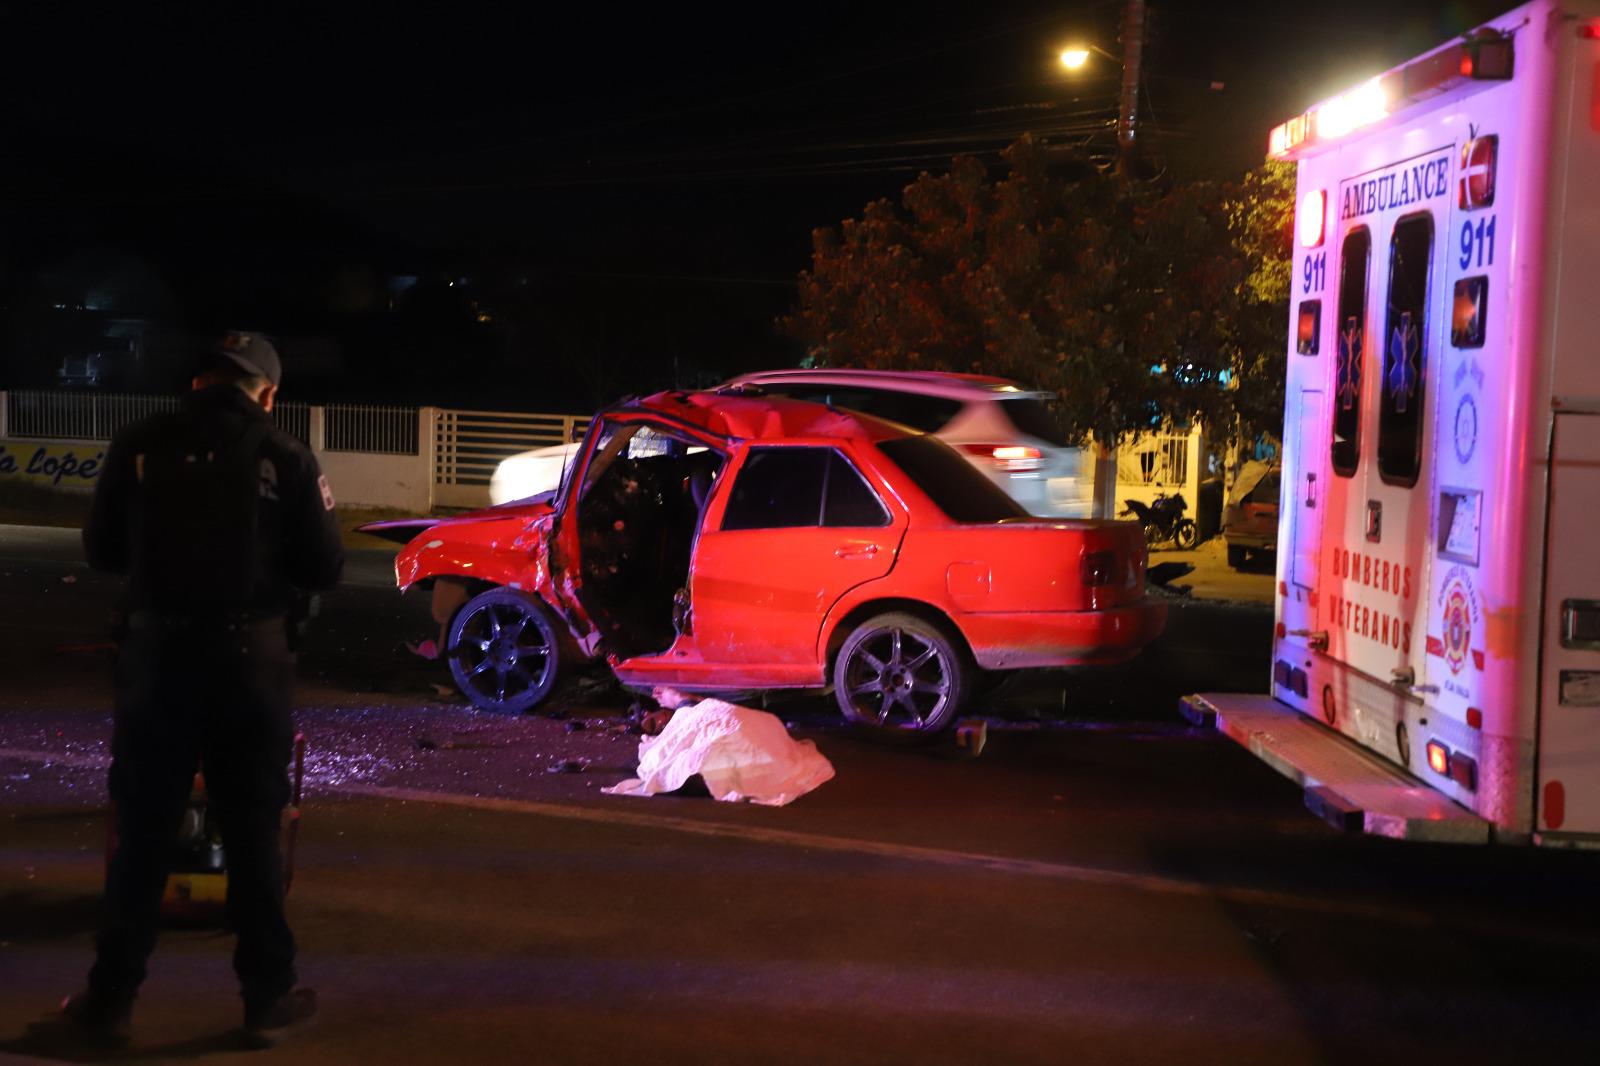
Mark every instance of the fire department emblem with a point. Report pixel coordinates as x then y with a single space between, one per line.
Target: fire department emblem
1476 185
1404 347
1349 364
1457 626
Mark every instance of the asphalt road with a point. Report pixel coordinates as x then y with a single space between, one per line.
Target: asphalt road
1102 884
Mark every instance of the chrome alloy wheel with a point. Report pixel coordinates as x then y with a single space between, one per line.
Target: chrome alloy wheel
897 673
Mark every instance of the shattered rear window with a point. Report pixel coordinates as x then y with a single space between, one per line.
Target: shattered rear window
952 483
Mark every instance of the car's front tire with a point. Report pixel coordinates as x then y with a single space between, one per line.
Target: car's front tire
901 677
503 651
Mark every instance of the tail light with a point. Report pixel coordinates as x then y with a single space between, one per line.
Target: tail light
1007 456
1462 769
1098 568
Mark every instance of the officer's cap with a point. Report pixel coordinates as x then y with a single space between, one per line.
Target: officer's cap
254 353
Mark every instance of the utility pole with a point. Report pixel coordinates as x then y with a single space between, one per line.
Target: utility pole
1132 54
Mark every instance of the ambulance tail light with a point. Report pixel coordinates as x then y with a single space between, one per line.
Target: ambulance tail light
1460 768
1590 31
1291 677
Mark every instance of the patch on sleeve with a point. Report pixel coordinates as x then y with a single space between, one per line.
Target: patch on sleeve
327 493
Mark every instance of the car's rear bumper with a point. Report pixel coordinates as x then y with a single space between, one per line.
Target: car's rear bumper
1240 539
1062 638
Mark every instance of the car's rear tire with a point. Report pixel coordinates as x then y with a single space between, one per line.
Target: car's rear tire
1186 534
503 651
1238 555
900 677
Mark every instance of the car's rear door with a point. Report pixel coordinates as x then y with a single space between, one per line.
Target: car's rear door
798 526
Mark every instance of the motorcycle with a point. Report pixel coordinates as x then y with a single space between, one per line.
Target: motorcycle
1163 519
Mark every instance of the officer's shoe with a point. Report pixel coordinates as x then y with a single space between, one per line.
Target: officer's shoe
272 1024
99 1018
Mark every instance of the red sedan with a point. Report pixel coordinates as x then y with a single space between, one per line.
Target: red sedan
731 541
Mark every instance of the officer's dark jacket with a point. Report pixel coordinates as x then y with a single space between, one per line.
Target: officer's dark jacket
298 531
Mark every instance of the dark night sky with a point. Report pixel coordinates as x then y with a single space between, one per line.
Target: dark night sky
650 176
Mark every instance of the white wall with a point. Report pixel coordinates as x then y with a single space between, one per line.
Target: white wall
362 479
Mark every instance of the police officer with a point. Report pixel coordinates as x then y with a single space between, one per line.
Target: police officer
219 520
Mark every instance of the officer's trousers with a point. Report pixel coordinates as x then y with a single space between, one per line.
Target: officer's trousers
200 694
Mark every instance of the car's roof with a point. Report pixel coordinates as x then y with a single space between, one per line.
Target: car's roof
743 416
922 382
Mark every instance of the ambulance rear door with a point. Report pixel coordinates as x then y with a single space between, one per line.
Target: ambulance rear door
1385 389
1568 796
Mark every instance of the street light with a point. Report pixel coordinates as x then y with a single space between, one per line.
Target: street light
1074 56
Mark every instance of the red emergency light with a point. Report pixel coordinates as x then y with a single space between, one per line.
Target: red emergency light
1438 758
1484 57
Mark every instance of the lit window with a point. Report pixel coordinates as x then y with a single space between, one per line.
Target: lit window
1469 312
1405 345
1351 328
1308 329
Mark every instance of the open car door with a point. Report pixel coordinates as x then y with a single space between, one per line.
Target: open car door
627 528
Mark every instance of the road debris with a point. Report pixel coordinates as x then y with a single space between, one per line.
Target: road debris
971 735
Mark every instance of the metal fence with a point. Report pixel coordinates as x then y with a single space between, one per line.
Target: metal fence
1159 459
294 419
365 428
468 445
97 417
76 415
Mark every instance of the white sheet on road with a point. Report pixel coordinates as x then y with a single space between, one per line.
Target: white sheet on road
742 754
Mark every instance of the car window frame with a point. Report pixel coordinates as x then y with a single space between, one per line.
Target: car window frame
834 454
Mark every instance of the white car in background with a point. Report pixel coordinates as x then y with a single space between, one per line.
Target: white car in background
1003 429
530 473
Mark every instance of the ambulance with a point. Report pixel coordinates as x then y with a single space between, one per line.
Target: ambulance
1436 662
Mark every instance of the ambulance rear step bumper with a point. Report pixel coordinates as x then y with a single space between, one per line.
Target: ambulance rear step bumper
1345 785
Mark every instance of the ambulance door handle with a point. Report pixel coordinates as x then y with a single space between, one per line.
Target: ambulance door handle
1311 490
1316 639
1405 677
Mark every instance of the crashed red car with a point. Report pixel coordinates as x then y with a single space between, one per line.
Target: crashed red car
732 541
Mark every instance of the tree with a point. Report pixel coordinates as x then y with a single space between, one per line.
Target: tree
1122 298
1261 214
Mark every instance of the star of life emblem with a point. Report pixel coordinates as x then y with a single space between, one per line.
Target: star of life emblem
1404 346
1349 364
